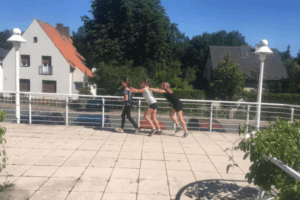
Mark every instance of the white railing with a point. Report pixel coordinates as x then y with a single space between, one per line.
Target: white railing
224 116
293 173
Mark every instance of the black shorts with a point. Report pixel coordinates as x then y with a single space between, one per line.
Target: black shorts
178 106
153 106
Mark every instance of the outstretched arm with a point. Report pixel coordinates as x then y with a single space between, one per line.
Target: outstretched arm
157 90
137 90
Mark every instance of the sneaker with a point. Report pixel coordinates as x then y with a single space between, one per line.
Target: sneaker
120 130
178 128
137 130
186 134
153 132
159 132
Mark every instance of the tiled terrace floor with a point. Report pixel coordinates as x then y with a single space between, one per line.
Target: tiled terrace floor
77 163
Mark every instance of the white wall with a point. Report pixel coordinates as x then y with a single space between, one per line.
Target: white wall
44 47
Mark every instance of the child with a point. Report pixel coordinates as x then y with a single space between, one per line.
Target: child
127 106
177 106
152 105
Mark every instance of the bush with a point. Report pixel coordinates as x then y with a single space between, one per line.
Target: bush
282 141
185 94
283 98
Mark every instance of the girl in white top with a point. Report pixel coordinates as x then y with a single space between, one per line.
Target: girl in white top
148 95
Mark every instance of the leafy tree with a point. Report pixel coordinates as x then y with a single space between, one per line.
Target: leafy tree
197 52
228 80
287 54
109 76
293 70
4 35
85 89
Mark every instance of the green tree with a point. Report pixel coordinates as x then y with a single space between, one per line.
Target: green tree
4 35
228 81
293 70
287 54
197 52
85 89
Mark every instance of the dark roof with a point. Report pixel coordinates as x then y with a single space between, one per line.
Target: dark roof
274 68
3 52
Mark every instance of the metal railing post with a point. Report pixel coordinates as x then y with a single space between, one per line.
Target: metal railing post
29 108
139 112
103 103
292 114
248 115
67 111
211 116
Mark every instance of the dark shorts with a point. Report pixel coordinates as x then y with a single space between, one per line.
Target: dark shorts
153 106
178 106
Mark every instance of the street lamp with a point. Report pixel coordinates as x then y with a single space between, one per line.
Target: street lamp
16 38
262 52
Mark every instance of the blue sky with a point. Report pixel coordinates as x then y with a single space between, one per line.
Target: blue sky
276 21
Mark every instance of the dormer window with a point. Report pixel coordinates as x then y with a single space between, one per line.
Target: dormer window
244 53
25 61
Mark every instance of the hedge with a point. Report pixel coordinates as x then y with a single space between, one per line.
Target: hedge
284 98
186 94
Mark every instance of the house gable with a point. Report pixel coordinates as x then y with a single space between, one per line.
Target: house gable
248 61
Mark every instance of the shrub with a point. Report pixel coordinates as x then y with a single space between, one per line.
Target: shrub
282 141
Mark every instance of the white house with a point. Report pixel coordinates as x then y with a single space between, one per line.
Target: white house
49 62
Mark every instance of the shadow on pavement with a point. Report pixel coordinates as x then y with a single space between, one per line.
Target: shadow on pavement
216 189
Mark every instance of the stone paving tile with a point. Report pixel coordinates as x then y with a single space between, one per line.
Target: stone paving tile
97 172
37 152
26 160
78 161
203 167
153 174
45 195
43 171
107 154
178 165
153 156
128 163
130 155
30 183
59 184
69 172
155 187
222 168
63 153
151 197
207 175
52 160
90 185
182 176
118 196
153 164
84 195
122 186
175 157
103 162
124 173
16 170
16 194
198 158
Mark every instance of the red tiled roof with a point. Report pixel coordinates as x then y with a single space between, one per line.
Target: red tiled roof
66 48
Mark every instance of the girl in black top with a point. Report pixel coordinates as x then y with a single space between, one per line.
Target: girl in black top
176 103
127 106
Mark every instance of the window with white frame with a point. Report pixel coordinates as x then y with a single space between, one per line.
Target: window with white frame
25 61
46 64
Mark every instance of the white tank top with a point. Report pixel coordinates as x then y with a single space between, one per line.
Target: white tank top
148 95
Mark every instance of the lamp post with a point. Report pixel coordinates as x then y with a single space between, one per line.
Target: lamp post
95 85
16 38
262 52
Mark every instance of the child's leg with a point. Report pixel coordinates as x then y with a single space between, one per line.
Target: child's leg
146 116
153 117
130 118
172 115
180 117
123 117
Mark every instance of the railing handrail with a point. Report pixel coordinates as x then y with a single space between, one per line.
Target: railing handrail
141 98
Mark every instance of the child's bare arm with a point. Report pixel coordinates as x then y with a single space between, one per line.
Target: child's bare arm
157 90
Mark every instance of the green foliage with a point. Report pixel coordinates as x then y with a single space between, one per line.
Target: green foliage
85 89
293 70
3 115
284 98
185 94
109 77
282 141
228 81
4 35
